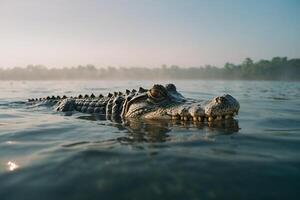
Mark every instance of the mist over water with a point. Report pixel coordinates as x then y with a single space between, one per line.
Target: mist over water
45 154
278 68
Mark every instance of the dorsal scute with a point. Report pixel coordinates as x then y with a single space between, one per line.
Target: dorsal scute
142 90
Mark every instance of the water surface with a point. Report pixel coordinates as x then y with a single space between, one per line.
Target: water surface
48 155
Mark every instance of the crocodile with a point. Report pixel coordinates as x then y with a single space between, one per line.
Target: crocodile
157 103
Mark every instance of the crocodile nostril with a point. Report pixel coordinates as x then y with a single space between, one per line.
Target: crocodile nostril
220 99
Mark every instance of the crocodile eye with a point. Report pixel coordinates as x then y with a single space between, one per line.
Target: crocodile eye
156 94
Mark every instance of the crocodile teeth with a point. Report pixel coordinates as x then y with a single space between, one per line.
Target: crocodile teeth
175 117
219 118
228 117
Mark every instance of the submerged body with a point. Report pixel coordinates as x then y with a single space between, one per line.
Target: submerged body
159 102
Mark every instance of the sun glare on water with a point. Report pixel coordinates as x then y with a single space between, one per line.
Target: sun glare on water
12 166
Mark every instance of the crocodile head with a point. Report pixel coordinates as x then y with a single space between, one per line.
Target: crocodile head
165 102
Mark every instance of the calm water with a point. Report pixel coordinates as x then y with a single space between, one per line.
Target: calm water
47 155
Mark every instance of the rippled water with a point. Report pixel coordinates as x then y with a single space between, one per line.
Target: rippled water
47 155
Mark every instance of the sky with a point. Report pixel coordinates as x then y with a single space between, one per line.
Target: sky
148 33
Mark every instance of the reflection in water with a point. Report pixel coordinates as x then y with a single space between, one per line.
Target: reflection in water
145 131
156 130
12 165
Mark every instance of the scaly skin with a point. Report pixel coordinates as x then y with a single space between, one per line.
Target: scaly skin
159 102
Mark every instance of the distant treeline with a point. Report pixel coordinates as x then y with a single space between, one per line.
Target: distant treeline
279 68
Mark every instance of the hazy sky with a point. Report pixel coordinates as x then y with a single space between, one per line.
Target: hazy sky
147 33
